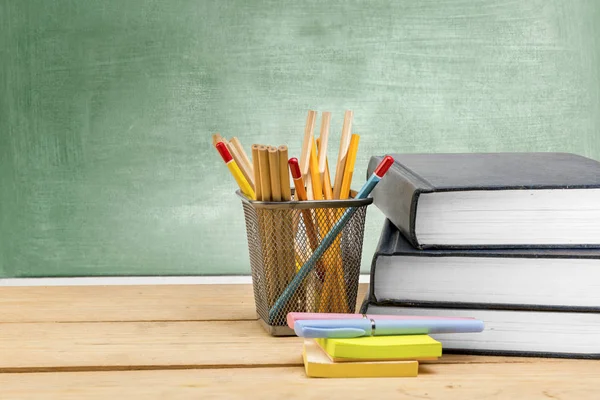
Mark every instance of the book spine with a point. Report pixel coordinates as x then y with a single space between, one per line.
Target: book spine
388 240
397 197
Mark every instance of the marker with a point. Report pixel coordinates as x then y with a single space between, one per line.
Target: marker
235 170
297 177
373 326
328 239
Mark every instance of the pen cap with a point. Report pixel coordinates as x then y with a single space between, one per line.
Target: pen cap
383 166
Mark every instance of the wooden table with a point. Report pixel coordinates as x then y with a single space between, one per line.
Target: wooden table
203 342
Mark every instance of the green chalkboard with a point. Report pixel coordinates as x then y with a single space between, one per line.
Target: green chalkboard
107 107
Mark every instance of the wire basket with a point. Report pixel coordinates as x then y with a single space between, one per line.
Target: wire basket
282 237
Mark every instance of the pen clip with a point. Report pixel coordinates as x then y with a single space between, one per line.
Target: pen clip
315 333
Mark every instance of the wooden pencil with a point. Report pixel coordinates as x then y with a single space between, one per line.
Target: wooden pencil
309 188
333 254
349 167
326 179
335 282
265 172
315 175
284 173
311 234
342 154
256 170
241 164
322 143
274 173
278 242
268 229
306 144
240 149
328 194
328 191
320 215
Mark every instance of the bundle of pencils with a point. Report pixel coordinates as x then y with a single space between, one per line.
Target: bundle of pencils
273 184
267 178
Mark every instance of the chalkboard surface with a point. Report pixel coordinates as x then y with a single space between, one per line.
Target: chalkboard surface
107 107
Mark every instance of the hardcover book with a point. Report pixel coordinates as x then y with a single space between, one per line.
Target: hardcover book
518 279
492 199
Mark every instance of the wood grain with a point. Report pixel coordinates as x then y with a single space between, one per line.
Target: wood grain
95 346
130 303
126 303
226 359
164 340
562 380
133 345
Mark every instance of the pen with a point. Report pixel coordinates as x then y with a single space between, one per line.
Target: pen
235 170
358 327
293 317
328 239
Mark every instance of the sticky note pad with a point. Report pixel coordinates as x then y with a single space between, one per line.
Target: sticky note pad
411 347
318 365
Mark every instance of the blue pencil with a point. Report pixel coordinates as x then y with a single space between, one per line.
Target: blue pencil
369 185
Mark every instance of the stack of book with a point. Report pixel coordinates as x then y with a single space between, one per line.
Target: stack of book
356 346
512 239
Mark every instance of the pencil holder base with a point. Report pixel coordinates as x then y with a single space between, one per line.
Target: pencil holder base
276 330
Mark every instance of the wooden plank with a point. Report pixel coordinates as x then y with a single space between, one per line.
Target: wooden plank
130 303
561 380
126 303
84 346
131 345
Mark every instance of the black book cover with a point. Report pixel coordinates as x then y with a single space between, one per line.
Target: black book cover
413 174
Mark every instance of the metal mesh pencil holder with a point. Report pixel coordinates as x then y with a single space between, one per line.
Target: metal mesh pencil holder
282 237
